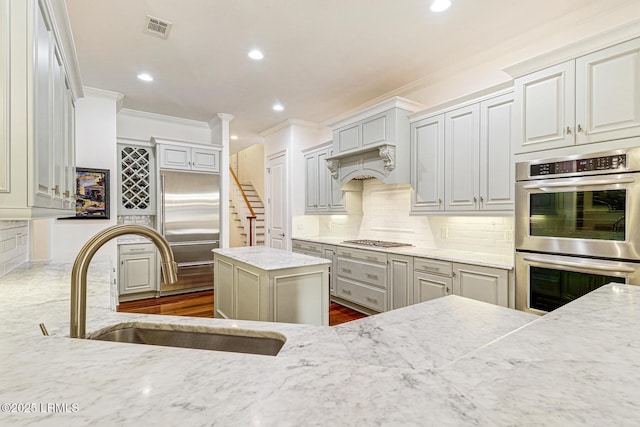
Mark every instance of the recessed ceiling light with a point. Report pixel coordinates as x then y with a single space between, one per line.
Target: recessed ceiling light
256 54
145 77
278 107
234 137
440 5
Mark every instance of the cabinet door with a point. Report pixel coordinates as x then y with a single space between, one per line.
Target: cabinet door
205 160
323 187
224 300
4 98
462 141
311 183
427 161
42 113
400 280
482 283
429 286
329 252
608 93
347 138
497 174
248 303
545 109
174 157
137 271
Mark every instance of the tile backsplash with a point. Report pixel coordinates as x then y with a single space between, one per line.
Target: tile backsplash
14 245
386 217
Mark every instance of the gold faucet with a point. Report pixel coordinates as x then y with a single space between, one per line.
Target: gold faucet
81 265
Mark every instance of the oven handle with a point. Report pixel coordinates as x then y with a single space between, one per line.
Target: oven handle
585 183
594 266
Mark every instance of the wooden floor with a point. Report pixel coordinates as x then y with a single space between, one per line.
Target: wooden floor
200 304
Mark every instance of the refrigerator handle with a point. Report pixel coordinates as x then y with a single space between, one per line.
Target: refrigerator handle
162 225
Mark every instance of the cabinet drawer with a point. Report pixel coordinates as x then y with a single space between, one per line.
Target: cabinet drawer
369 256
432 266
136 248
309 248
366 296
371 274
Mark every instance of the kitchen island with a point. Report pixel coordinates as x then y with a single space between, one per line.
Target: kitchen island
451 361
267 284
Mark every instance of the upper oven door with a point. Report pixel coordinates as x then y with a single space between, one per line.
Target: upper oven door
586 216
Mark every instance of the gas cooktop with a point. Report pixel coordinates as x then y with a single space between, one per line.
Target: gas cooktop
376 243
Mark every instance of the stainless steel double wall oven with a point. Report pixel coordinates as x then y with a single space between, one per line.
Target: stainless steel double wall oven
577 226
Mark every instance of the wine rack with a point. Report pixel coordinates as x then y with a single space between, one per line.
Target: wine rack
136 195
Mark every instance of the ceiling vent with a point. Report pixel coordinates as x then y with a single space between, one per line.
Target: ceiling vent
157 27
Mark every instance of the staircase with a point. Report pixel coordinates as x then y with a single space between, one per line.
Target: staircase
258 208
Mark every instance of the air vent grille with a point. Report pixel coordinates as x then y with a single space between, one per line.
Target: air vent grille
157 27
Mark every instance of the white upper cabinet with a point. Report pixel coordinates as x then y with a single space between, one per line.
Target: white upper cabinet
546 113
189 158
427 164
593 98
462 142
39 81
461 158
323 194
608 94
497 170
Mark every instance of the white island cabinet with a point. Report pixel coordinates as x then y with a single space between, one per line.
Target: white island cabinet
267 284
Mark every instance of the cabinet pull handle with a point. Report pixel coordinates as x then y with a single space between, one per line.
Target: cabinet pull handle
67 194
481 199
568 130
580 128
346 270
372 258
475 199
439 201
447 289
372 276
345 291
373 300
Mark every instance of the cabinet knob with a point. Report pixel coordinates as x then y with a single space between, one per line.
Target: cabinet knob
481 199
439 201
447 290
475 199
568 130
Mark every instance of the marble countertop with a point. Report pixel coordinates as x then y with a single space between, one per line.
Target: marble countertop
476 258
450 361
268 259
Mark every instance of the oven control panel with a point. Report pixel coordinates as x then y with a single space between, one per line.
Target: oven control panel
602 163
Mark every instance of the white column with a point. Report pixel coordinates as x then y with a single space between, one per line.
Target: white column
220 136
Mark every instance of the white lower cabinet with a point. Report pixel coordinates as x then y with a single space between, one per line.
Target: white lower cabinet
481 283
400 280
431 279
290 295
137 268
361 278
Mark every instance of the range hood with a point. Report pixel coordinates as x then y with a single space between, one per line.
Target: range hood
373 143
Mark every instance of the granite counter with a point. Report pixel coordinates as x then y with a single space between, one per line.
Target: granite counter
450 361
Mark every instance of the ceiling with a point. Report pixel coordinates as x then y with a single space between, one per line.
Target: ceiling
322 57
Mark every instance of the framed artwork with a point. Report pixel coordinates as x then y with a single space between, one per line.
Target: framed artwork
92 193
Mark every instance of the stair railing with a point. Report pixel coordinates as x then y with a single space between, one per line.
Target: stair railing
245 211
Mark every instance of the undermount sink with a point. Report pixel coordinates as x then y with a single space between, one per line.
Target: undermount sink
221 339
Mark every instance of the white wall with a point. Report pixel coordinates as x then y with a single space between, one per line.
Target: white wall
95 148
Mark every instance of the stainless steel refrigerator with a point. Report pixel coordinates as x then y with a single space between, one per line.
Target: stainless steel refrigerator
190 221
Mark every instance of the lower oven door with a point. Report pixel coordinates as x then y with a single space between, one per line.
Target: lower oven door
545 282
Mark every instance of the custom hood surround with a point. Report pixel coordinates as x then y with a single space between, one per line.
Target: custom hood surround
373 143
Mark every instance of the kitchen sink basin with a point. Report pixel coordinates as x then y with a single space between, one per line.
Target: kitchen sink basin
221 339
